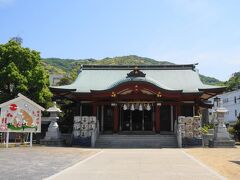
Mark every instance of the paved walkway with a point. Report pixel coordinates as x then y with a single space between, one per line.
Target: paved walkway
139 164
36 163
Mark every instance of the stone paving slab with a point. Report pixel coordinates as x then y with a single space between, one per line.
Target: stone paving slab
225 161
138 164
36 163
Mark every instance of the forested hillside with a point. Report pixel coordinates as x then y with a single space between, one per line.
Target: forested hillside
210 80
70 66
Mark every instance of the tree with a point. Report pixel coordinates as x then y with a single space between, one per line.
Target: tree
22 72
71 77
17 39
234 82
65 80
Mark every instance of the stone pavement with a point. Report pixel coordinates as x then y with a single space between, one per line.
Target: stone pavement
138 164
38 162
225 161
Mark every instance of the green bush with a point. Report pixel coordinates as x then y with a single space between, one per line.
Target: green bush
236 128
206 127
231 130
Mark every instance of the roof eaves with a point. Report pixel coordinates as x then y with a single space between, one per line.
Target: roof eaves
213 89
59 89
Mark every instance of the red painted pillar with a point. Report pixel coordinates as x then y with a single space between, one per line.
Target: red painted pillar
116 120
178 110
157 119
94 110
196 110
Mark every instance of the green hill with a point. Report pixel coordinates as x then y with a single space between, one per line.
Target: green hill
67 65
210 80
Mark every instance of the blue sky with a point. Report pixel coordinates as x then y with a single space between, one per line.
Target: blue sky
179 31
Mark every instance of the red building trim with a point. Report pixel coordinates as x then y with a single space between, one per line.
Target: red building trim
116 118
157 119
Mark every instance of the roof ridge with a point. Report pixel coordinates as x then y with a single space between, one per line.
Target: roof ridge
130 67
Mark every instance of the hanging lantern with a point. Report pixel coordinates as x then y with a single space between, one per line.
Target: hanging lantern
125 107
148 107
136 106
132 107
140 108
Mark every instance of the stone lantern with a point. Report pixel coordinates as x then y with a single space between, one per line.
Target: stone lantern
221 136
53 135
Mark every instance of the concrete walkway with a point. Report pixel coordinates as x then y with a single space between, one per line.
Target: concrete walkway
140 164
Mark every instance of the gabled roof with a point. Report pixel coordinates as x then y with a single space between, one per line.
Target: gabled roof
19 98
182 78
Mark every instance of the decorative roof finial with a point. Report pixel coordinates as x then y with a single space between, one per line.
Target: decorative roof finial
136 73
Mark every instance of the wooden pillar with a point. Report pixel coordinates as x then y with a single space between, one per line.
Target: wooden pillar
102 118
172 121
153 120
94 110
116 119
196 109
80 110
130 121
178 111
97 116
157 119
120 120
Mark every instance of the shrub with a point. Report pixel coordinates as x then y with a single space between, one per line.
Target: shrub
236 128
231 130
206 127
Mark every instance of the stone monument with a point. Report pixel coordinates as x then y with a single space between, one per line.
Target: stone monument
53 135
221 136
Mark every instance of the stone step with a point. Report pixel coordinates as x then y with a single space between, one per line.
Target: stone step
135 137
136 141
139 140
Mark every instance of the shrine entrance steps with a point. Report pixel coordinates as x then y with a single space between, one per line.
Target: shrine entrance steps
136 141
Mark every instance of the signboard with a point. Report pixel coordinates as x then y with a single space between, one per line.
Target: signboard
20 115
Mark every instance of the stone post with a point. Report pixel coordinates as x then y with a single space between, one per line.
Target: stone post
221 135
53 135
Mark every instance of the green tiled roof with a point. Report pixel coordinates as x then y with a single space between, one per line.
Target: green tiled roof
173 78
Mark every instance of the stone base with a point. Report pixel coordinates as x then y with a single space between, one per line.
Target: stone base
188 142
82 141
53 134
206 138
52 142
221 143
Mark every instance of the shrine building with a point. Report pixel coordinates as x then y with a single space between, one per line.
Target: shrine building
144 98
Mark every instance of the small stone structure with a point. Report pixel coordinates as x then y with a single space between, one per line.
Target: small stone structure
207 137
221 135
84 130
53 135
189 131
